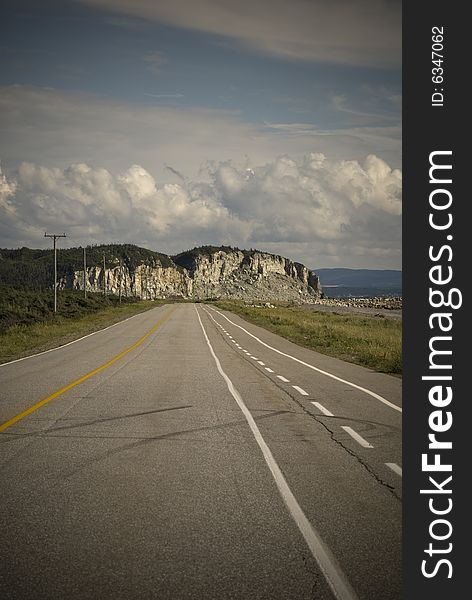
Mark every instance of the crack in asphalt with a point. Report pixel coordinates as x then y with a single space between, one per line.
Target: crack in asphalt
307 560
359 459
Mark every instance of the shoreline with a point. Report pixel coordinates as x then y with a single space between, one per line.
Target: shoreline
386 306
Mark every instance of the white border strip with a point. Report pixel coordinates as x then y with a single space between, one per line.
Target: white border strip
78 339
328 564
354 385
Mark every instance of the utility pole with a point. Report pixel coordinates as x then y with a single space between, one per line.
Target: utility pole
85 274
121 277
54 236
104 280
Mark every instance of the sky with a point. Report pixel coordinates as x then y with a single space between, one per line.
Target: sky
273 125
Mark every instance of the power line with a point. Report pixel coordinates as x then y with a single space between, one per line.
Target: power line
55 236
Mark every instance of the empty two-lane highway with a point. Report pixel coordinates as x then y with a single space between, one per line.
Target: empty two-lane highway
185 453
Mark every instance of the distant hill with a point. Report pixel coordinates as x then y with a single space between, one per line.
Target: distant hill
199 273
364 278
33 268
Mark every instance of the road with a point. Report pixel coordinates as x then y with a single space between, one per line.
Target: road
185 453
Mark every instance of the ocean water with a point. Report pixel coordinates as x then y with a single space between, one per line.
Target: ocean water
341 291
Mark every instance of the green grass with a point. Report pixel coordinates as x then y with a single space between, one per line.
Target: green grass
28 324
373 342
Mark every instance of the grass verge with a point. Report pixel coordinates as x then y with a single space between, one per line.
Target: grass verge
23 339
372 342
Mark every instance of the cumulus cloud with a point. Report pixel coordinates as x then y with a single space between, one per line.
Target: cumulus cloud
7 189
306 209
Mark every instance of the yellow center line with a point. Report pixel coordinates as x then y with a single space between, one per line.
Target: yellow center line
69 386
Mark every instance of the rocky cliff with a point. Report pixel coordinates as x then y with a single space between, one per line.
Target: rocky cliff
204 273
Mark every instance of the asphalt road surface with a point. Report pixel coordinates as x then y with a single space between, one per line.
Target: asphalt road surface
184 453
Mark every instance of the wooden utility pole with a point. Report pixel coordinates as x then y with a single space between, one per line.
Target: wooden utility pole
54 236
104 279
85 274
121 278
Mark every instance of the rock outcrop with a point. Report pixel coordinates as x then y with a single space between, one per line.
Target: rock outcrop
204 273
143 281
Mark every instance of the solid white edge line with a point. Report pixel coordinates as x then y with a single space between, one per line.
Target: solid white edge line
359 439
328 564
282 378
77 340
324 410
354 385
395 468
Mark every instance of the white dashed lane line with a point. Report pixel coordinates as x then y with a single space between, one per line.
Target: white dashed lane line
310 366
268 369
324 410
358 438
329 567
355 436
300 390
395 468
